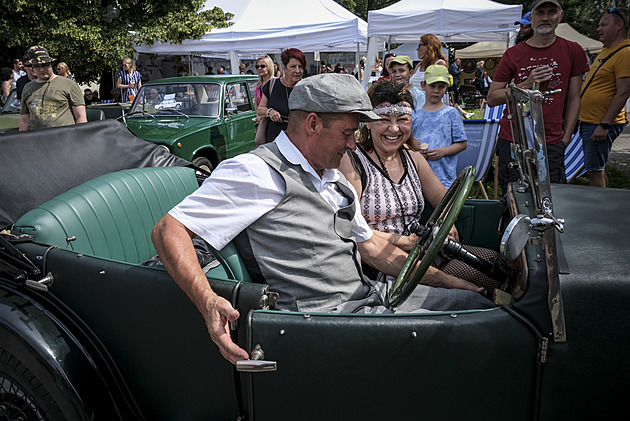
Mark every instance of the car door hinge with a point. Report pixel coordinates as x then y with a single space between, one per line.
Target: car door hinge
543 350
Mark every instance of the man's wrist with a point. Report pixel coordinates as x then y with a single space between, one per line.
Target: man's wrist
605 126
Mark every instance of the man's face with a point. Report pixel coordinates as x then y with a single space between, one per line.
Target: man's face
18 66
333 141
43 72
608 29
458 62
525 31
545 18
400 72
30 72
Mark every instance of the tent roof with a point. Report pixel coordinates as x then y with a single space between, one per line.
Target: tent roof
497 48
450 20
270 26
483 49
590 45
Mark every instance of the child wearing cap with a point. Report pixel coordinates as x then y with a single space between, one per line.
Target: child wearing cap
439 125
401 68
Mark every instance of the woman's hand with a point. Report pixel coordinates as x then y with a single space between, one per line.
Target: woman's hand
275 116
453 234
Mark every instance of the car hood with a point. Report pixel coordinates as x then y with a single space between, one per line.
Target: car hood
167 129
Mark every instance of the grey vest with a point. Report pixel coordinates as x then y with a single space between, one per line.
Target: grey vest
302 248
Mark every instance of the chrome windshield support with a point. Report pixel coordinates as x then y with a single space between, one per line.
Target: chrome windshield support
530 152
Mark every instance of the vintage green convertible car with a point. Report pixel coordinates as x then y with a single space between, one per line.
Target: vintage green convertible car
203 119
88 332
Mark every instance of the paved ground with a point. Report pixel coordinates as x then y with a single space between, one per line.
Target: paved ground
620 154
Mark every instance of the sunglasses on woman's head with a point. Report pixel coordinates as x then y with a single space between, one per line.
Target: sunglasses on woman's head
261 66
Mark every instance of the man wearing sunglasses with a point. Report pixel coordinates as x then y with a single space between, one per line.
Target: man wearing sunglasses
604 94
50 100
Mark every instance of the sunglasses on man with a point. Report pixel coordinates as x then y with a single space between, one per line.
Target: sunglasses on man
39 66
614 11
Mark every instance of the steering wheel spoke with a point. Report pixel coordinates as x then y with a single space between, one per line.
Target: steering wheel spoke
437 228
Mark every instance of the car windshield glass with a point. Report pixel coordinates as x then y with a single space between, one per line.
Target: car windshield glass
191 99
12 105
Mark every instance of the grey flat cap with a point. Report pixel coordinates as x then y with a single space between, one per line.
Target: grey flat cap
332 93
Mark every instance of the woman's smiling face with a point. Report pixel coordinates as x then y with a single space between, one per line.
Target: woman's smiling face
391 131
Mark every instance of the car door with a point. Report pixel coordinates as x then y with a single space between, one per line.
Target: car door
240 119
450 366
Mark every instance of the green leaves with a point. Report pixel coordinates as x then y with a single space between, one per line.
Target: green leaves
94 36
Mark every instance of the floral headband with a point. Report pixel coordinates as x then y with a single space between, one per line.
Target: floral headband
393 109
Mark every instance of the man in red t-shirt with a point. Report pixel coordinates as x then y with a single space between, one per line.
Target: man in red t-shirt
543 57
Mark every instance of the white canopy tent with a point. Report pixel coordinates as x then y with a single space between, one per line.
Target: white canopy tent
485 49
450 20
270 26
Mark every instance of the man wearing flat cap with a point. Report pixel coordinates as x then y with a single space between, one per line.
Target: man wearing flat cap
49 100
294 219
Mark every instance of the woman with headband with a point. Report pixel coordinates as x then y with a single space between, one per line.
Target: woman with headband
393 179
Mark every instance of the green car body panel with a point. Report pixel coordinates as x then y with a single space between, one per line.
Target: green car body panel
197 116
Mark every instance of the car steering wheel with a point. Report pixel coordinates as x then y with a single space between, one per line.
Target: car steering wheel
432 240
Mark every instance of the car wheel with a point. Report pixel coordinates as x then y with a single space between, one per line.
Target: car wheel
22 395
203 163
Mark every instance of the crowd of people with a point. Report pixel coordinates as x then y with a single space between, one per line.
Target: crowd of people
49 95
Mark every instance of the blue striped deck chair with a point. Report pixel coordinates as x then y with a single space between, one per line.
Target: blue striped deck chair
493 113
573 154
574 158
482 139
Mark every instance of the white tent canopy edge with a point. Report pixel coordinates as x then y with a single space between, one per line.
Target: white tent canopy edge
271 26
449 20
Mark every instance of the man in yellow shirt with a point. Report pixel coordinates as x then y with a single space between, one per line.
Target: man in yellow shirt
604 94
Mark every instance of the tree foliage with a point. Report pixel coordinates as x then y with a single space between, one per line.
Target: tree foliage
361 7
582 15
93 36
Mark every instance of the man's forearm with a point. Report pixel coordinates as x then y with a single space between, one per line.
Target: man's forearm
173 242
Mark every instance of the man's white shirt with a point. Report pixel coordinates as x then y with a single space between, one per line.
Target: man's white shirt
248 184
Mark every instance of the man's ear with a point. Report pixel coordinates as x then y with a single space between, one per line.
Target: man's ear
311 123
423 84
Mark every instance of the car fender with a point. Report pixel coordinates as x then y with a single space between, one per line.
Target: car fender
54 355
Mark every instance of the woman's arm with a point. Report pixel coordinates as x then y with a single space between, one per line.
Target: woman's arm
351 174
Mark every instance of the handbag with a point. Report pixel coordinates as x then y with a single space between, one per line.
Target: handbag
261 130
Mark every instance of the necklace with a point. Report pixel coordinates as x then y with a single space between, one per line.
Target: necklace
393 185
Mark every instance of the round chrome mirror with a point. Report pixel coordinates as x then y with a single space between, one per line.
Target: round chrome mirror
515 237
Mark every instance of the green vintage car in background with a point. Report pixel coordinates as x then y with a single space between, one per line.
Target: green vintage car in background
203 119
